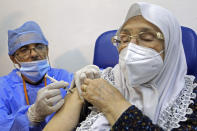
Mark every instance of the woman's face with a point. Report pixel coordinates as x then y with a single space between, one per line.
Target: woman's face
144 34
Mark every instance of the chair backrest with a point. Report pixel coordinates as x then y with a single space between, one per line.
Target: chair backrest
189 39
106 55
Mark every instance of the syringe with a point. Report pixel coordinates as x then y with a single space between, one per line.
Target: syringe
54 80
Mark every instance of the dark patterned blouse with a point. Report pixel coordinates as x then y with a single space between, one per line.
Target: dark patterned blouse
133 120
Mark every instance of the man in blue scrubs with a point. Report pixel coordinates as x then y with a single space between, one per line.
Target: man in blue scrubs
27 97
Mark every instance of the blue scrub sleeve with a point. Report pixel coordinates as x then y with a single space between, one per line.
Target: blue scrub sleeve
13 115
17 121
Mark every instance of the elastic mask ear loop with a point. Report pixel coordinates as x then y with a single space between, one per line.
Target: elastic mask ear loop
48 60
16 66
161 52
49 65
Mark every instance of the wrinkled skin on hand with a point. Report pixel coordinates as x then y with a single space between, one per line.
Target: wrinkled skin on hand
105 97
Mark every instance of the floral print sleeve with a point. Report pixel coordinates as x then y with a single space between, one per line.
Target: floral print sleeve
134 120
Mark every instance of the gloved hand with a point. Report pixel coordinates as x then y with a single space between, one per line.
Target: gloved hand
89 71
48 100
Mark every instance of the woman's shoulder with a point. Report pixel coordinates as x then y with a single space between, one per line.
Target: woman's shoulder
182 108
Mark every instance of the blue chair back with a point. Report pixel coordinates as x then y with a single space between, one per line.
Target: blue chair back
189 39
106 55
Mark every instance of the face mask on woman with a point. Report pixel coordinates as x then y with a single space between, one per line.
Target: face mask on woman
139 64
34 70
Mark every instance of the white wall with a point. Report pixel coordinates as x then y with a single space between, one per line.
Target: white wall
72 26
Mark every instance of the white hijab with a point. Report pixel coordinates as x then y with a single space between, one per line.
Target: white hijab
167 85
170 81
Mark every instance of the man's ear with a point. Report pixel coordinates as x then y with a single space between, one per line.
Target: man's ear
12 58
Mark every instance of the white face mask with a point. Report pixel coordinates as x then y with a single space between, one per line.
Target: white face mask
139 64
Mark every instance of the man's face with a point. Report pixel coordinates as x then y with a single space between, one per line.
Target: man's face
31 52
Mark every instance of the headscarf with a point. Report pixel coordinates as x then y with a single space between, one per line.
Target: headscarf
170 81
30 32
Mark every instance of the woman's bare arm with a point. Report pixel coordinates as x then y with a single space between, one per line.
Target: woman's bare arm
67 117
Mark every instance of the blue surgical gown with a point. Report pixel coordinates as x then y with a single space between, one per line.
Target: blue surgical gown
13 107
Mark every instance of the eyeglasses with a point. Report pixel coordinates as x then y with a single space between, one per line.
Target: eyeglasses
142 37
25 52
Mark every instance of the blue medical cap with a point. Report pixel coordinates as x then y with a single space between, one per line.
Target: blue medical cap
28 33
